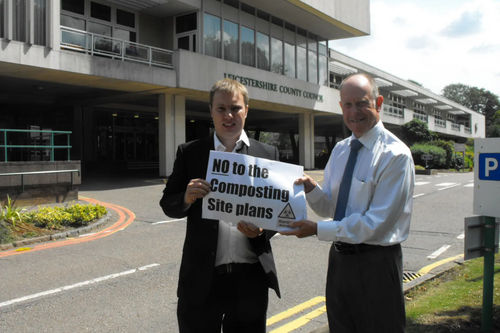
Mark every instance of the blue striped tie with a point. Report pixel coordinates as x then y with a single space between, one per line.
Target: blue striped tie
345 185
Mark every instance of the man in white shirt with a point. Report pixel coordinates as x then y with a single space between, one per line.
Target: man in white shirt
364 290
226 268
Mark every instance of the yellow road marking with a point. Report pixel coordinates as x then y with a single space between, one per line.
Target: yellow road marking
23 249
294 310
429 268
300 321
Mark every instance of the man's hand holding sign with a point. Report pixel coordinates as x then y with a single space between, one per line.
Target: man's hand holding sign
255 190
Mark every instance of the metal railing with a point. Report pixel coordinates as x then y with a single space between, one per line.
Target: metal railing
455 127
394 111
440 123
419 116
467 130
93 44
51 147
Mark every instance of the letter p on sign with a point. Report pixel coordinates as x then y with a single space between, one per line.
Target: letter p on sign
489 166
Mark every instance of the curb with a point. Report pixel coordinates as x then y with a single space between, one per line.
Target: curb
64 234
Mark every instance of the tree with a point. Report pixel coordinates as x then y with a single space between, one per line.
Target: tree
493 130
474 98
416 131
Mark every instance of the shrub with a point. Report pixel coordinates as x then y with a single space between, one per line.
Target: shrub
419 167
438 154
448 147
5 234
11 213
56 218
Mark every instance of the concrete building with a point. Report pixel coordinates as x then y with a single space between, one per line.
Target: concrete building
130 79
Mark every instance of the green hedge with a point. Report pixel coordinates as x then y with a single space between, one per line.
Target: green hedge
438 155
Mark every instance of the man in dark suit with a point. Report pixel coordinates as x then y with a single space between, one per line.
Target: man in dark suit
226 269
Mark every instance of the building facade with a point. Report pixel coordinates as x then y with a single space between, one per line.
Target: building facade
130 79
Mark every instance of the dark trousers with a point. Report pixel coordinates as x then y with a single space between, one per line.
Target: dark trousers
364 291
237 302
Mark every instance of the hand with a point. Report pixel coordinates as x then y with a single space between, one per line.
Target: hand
196 189
249 230
304 228
309 183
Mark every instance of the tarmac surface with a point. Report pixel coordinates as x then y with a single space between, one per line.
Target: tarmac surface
121 185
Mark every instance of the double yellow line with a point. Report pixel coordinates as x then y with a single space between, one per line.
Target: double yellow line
301 321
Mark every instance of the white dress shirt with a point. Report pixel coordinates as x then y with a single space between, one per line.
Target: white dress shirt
381 197
232 245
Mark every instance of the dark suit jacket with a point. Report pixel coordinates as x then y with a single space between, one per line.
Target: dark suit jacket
200 245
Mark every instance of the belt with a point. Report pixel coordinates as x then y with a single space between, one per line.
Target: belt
346 248
235 268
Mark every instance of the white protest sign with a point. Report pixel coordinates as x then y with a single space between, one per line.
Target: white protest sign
255 190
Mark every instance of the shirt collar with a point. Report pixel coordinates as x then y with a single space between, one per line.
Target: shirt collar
242 140
369 138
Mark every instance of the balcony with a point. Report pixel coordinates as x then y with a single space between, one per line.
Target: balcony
93 44
440 123
467 130
420 117
393 111
455 127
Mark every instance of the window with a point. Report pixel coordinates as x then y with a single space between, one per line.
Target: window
74 6
231 41
101 12
247 46
212 36
99 29
72 22
124 35
185 23
19 21
247 9
313 67
127 18
262 51
39 15
2 13
301 63
289 60
232 3
323 70
277 56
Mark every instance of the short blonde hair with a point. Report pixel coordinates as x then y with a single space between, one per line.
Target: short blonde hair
229 86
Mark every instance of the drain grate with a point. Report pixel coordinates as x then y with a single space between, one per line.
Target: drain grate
409 276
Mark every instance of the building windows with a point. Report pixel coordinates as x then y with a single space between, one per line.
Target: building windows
397 101
289 60
277 56
231 41
313 67
100 12
212 35
301 63
127 19
2 20
419 112
247 46
73 6
99 19
262 51
255 38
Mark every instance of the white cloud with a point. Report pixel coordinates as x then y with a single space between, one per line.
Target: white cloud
433 42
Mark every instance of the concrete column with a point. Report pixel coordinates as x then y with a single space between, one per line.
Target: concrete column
53 24
172 129
306 140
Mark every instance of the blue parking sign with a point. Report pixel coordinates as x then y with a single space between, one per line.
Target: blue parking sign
489 166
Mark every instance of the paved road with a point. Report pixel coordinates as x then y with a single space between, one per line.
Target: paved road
125 281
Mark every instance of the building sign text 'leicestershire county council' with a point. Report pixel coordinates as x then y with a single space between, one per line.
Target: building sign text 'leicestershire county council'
249 82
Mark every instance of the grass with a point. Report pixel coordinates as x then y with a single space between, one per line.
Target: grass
452 302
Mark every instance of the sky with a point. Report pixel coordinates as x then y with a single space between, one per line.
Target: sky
433 42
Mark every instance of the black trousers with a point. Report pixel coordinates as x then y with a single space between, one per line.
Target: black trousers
237 303
364 291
